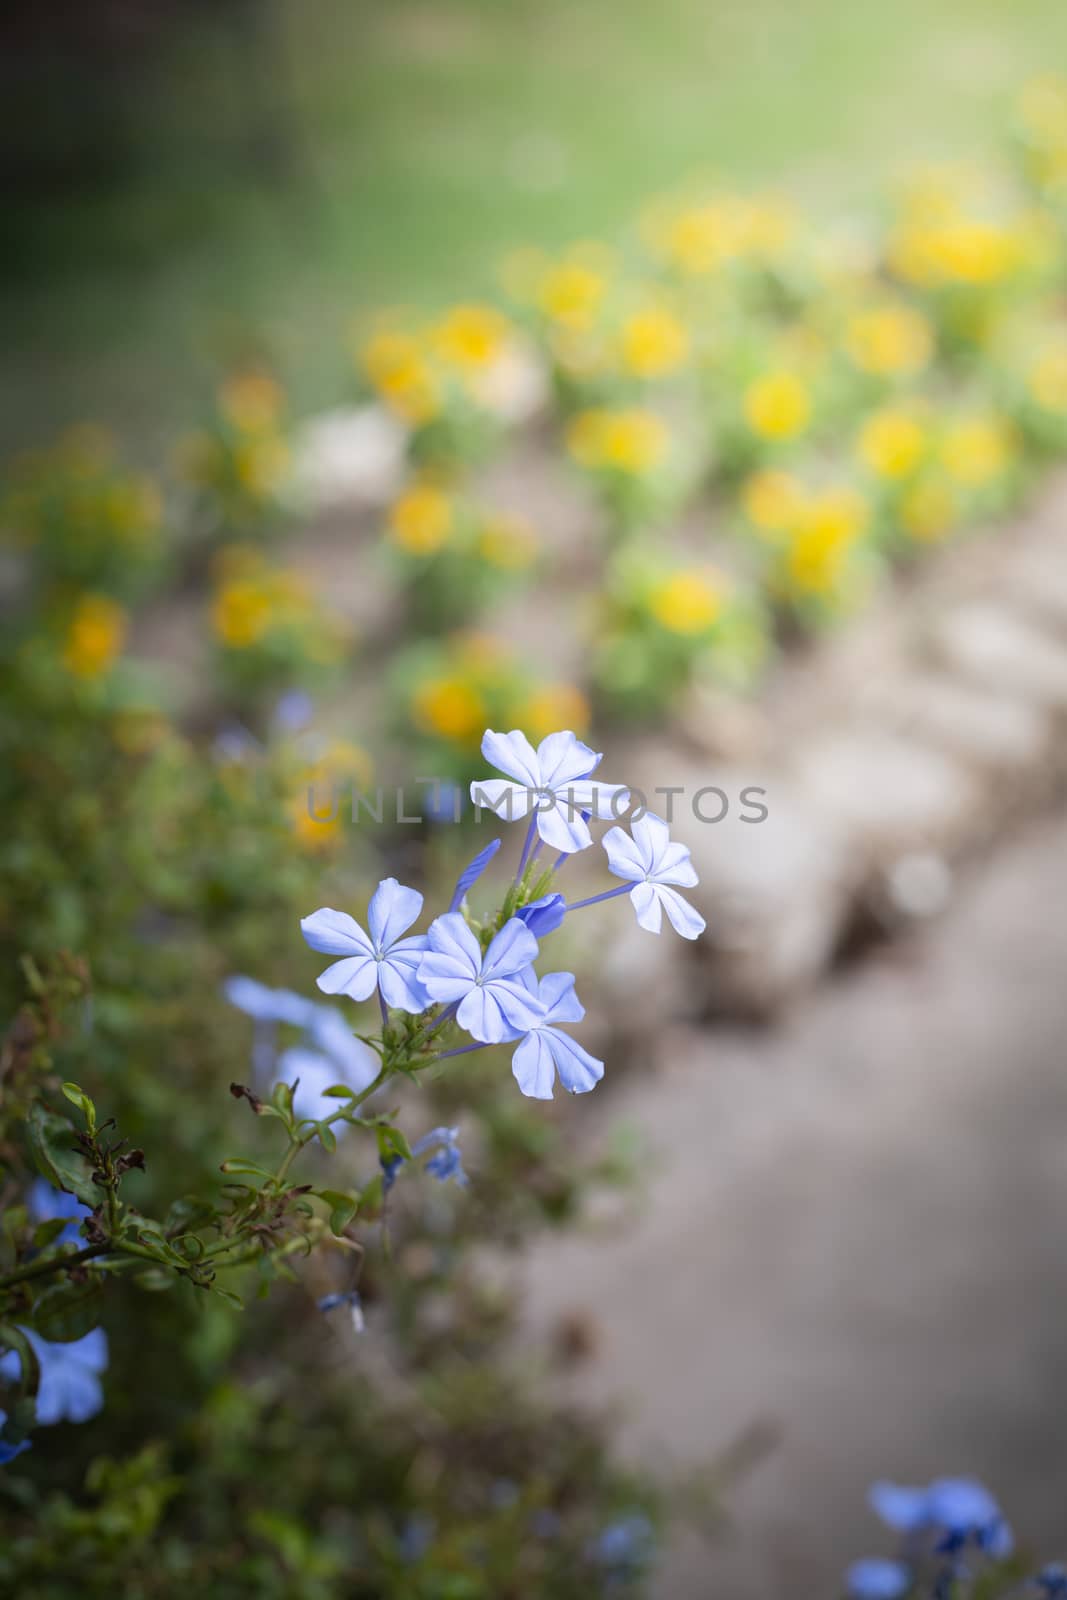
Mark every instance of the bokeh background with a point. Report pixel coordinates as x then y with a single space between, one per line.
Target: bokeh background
813 1234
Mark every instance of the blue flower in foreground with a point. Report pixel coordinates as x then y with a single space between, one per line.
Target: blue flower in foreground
543 916
877 1579
48 1205
8 1452
652 863
553 781
492 1001
69 1388
381 960
470 874
547 1050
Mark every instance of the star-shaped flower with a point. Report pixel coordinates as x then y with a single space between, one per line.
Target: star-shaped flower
648 859
381 959
553 781
546 1049
492 1001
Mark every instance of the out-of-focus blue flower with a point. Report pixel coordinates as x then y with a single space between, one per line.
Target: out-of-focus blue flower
1053 1580
350 1300
877 1579
316 1074
961 1509
553 781
355 1061
69 1389
626 1543
902 1508
470 874
47 1205
381 960
543 916
492 1002
546 1049
264 1004
444 802
8 1452
293 711
446 1163
416 1537
647 858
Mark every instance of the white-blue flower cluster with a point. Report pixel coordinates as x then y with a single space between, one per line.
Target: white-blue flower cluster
488 986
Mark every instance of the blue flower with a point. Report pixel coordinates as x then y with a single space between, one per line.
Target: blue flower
651 862
965 1509
333 1302
293 711
383 960
626 1543
47 1205
1053 1580
546 1050
470 874
69 1389
446 1163
269 1005
543 916
317 1073
8 1452
492 1002
904 1509
877 1579
552 781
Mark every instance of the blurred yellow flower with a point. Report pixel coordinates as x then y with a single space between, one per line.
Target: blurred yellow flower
342 768
241 613
572 293
472 337
451 708
957 249
482 654
551 708
928 510
135 509
421 520
95 636
889 340
772 500
700 239
1047 380
402 375
892 443
251 402
686 603
260 464
836 516
654 343
977 450
508 542
777 406
633 441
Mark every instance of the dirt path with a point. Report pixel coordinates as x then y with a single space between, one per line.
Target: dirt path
856 1225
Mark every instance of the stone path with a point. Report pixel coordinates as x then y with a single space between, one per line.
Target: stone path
855 1226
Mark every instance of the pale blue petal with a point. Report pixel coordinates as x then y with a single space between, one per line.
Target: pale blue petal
355 976
543 916
391 912
684 920
265 1004
556 994
510 801
355 1062
652 837
316 1073
534 1068
644 897
519 1008
471 873
623 857
901 1508
398 978
335 933
514 755
449 935
605 801
512 949
480 1014
562 826
578 1070
562 758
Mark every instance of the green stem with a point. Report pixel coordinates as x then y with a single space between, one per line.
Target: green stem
42 1269
297 1145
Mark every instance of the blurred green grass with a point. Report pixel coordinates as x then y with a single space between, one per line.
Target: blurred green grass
417 140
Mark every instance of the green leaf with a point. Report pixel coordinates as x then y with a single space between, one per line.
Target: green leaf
46 1232
327 1137
343 1207
248 1168
340 1091
69 1311
78 1097
391 1142
228 1295
51 1144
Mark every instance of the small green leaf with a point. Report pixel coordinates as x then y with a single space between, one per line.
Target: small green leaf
340 1091
343 1207
391 1142
78 1097
51 1143
248 1168
69 1311
228 1295
327 1137
46 1232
